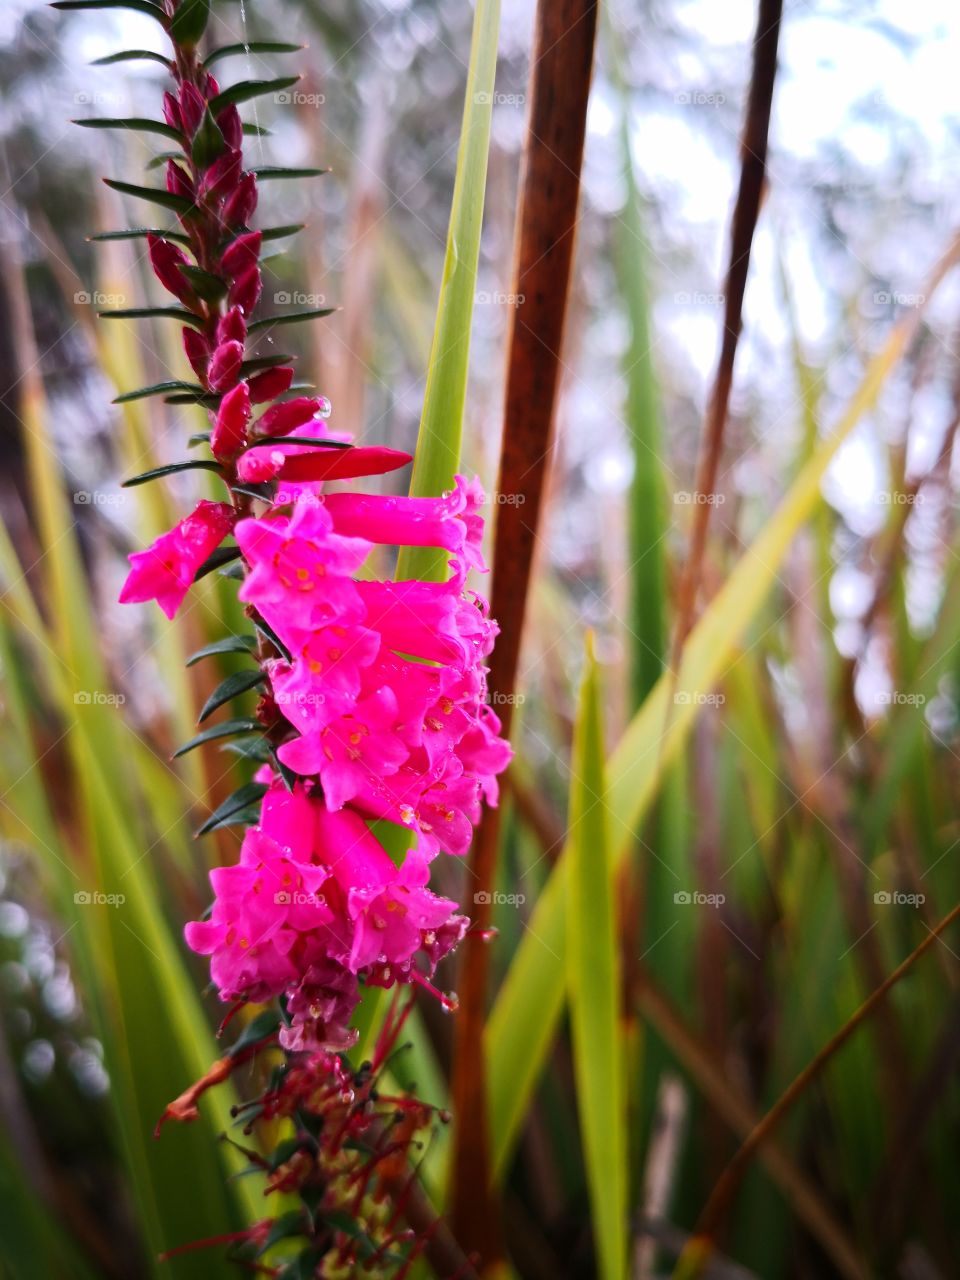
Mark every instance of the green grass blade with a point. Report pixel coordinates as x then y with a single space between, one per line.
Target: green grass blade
441 424
532 995
595 984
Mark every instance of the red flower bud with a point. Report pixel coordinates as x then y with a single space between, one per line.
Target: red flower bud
270 384
178 181
192 107
244 252
171 111
230 430
246 290
232 327
284 418
166 260
242 203
198 351
225 365
223 175
231 126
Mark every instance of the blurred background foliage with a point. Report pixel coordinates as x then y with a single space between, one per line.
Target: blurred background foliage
800 839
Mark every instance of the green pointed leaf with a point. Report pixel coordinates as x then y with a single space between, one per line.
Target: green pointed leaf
316 441
264 362
132 55
290 317
255 131
208 142
171 469
189 22
201 437
216 560
250 749
245 90
259 1028
280 233
138 6
179 204
235 684
255 46
441 422
594 980
157 389
161 158
134 124
264 492
204 283
240 801
229 644
141 233
209 399
153 313
266 172
266 630
225 729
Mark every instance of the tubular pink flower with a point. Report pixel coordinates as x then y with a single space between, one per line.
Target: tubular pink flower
165 570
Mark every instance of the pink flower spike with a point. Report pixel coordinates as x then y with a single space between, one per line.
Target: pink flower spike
343 464
230 430
242 253
223 175
165 570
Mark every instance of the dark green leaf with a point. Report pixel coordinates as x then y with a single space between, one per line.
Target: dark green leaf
264 362
259 1028
190 22
216 560
255 131
255 46
225 729
267 171
288 1224
264 492
279 233
244 90
208 142
234 571
266 630
201 437
148 313
157 389
139 6
204 283
179 204
250 749
241 799
136 124
171 469
132 55
316 441
235 684
229 644
141 233
161 158
290 317
210 399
